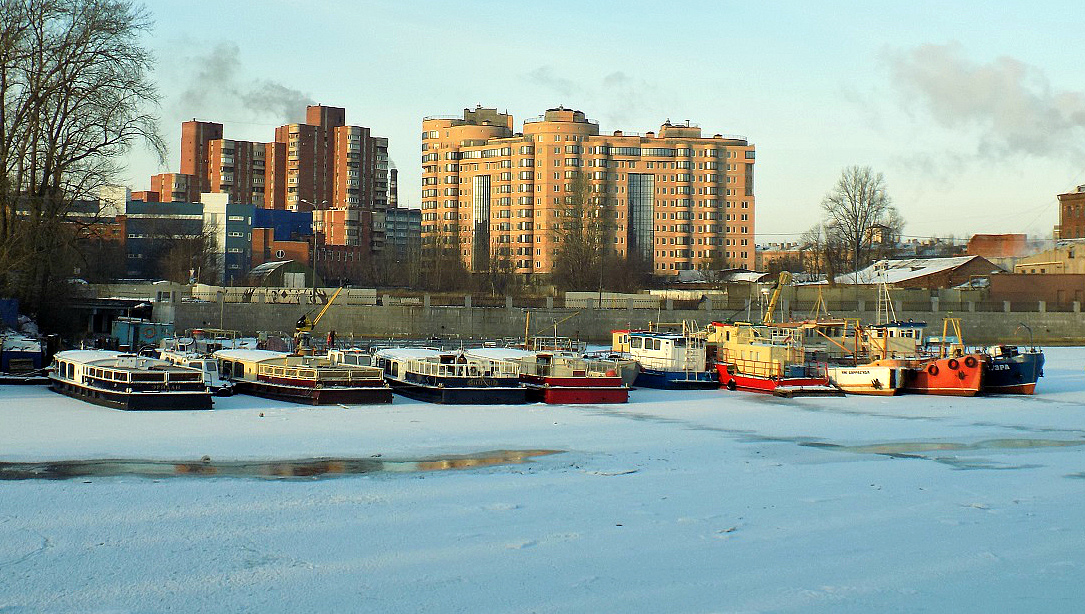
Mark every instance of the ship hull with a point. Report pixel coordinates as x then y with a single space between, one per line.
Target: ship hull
881 381
134 401
677 380
461 395
311 395
1013 374
780 386
961 377
575 390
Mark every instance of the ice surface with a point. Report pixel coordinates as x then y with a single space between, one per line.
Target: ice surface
701 501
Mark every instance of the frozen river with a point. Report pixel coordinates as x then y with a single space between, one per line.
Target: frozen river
709 501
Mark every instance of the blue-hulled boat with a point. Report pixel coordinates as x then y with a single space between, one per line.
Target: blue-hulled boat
673 360
1011 370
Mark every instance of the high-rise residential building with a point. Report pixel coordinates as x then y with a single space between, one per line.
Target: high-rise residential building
321 164
195 139
331 165
681 200
238 168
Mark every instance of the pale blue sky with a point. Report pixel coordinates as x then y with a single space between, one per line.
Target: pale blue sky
974 112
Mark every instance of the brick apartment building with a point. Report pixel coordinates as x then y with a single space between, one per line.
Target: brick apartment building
321 164
682 200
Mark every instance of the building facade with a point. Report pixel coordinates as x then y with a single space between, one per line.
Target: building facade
1066 257
403 231
1071 215
196 137
681 200
322 164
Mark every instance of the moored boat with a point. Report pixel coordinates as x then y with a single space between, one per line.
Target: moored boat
766 358
1009 370
867 379
952 376
668 360
302 379
127 381
559 378
450 377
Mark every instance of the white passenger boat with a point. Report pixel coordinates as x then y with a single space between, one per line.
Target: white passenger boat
450 377
126 381
302 379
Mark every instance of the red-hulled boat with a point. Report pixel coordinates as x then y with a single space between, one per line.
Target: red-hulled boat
954 376
766 358
794 380
557 378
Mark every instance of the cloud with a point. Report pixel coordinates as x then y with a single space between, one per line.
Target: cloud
217 85
1010 104
621 99
545 77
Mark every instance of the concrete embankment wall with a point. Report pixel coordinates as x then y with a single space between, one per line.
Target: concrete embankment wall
1052 328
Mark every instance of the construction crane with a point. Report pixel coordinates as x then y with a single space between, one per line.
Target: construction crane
785 279
306 326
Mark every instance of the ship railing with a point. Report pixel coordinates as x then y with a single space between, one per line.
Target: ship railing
496 368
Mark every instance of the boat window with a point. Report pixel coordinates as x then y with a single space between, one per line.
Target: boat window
636 343
679 343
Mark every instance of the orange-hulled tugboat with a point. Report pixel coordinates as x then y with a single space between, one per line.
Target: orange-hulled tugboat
950 371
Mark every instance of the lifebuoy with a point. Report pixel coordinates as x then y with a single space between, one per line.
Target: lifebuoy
148 333
970 361
953 364
932 369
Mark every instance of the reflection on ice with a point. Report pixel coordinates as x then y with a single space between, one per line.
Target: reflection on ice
918 447
274 469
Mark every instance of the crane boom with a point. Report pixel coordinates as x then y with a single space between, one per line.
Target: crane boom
785 278
305 324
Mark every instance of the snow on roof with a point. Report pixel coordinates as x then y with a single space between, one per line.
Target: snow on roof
500 353
897 271
87 356
406 353
698 276
19 343
249 355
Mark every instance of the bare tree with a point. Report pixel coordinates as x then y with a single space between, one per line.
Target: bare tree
74 88
580 236
854 207
823 251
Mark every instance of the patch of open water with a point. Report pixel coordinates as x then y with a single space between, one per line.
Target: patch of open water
310 468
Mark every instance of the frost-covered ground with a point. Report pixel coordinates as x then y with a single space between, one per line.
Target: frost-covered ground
696 502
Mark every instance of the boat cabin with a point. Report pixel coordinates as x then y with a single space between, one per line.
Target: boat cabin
279 367
667 351
115 371
895 340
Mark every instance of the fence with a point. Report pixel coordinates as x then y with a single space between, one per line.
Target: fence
733 306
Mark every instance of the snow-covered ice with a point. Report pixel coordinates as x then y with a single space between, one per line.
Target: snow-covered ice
708 501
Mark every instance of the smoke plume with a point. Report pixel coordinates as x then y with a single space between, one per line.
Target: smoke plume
218 84
1011 104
